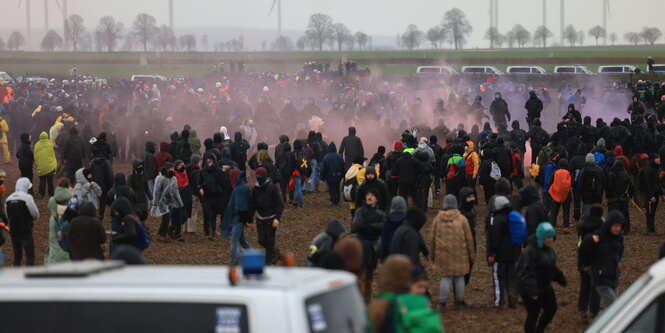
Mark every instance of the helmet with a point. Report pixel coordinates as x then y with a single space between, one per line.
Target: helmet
218 85
200 90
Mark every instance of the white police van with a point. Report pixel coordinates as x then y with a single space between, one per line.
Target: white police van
111 297
641 308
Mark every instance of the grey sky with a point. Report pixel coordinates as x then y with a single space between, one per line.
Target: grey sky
374 17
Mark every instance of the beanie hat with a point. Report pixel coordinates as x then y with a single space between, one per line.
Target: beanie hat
590 159
544 230
168 165
398 145
178 162
449 202
195 159
261 172
596 210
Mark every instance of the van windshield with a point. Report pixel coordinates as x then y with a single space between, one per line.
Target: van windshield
341 310
619 305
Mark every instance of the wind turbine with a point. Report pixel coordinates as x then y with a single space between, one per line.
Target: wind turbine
606 12
545 13
279 15
563 18
63 9
171 14
29 27
46 15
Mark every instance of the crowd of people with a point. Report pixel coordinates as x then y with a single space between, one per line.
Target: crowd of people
594 166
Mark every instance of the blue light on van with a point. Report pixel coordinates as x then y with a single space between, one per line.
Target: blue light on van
253 262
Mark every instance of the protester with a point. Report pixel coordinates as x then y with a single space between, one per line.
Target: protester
238 214
86 234
166 200
46 164
57 205
25 157
86 189
21 212
367 225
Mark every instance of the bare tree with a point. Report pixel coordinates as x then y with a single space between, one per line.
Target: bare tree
86 42
510 38
457 26
15 41
164 38
581 36
650 35
301 43
51 41
570 34
613 38
74 30
597 32
144 28
340 33
319 28
542 33
412 37
522 36
435 35
204 43
188 42
361 38
109 31
282 44
492 34
632 37
500 41
130 42
350 42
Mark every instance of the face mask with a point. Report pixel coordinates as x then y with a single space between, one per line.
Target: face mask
180 169
170 174
211 164
139 171
2 182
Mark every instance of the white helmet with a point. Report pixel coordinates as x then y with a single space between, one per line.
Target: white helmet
266 89
200 90
218 85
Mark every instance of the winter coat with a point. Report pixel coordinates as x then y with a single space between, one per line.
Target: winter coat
332 168
588 225
603 257
139 184
121 190
407 170
537 269
619 183
130 223
194 142
324 242
650 181
592 183
86 236
210 181
44 155
84 191
21 209
163 156
351 147
535 210
24 154
239 149
239 206
534 107
267 200
391 223
166 195
149 161
451 244
377 184
73 150
499 111
101 149
54 253
102 173
500 245
367 225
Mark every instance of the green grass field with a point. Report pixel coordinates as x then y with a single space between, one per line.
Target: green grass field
390 63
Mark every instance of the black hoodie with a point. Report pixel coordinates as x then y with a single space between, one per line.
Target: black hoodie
408 241
535 211
325 241
376 184
351 147
139 184
24 154
123 209
604 257
121 190
149 160
537 269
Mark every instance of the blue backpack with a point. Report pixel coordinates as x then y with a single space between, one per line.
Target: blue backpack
600 159
142 239
517 227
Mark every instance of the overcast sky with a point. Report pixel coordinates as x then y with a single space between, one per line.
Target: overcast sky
374 17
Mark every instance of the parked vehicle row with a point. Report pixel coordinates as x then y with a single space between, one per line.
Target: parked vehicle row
534 70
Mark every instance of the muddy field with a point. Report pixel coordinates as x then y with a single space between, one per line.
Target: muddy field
300 226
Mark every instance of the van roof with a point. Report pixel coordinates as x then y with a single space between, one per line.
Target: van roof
83 274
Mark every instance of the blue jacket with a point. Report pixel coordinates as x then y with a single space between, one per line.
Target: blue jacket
240 203
550 168
332 169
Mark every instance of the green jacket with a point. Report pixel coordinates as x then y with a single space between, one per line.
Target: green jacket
45 159
194 142
54 253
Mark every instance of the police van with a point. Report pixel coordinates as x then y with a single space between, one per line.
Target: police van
112 297
641 308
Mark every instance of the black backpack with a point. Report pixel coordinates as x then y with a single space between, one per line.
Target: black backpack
302 163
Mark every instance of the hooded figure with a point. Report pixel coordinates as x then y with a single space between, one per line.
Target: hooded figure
25 157
393 221
85 189
408 241
376 184
128 232
351 148
56 206
237 214
239 149
332 172
535 210
121 190
394 277
46 163
72 152
619 191
149 161
602 253
21 212
452 249
163 156
536 270
194 142
325 241
225 133
138 183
